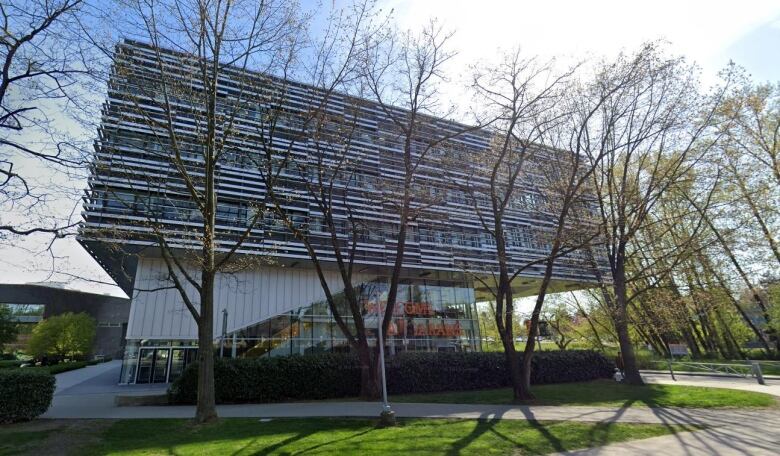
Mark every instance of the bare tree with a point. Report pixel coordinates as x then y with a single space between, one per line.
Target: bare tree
194 70
648 133
332 174
402 73
43 69
523 172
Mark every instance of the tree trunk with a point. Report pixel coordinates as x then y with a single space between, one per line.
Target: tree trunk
745 317
748 283
528 353
631 373
508 340
516 374
702 340
731 341
620 315
206 410
530 344
687 332
369 387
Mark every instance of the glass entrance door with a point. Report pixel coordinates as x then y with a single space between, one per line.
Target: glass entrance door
160 367
153 365
145 363
180 358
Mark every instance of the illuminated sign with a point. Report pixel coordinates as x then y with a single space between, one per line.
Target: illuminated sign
428 328
421 309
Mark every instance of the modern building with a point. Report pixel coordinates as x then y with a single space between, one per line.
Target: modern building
275 305
33 302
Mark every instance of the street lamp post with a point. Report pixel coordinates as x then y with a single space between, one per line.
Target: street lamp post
224 333
387 417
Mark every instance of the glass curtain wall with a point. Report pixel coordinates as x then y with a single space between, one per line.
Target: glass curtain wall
429 316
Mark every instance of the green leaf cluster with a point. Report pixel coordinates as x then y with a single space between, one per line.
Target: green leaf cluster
66 335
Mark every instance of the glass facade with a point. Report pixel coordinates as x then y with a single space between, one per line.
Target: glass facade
430 315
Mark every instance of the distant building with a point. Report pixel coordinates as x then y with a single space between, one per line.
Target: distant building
36 301
279 308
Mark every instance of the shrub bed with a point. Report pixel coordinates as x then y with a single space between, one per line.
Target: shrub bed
53 368
10 363
24 394
64 367
326 376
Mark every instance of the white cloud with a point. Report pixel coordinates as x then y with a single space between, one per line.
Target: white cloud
697 29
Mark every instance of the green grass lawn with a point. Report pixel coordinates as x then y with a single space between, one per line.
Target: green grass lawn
606 392
319 436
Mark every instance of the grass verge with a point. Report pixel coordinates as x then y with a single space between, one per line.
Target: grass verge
321 436
606 393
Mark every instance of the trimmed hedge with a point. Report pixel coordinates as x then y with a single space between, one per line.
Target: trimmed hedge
276 379
24 394
326 376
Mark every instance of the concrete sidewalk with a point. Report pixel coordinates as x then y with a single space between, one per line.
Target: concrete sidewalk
101 406
100 379
746 384
75 377
735 432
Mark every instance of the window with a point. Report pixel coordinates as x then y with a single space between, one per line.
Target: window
441 237
317 224
119 202
457 196
488 240
519 236
231 213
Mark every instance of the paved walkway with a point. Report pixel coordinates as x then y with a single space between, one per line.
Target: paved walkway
746 384
102 379
67 380
733 431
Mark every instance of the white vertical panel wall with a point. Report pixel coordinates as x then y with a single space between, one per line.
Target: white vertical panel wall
249 296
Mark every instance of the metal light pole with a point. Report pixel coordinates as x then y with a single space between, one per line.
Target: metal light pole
387 417
224 333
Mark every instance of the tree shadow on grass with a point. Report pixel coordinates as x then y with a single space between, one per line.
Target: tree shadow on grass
484 423
168 435
276 446
487 423
599 434
272 448
543 430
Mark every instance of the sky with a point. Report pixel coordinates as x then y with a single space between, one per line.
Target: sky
709 33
